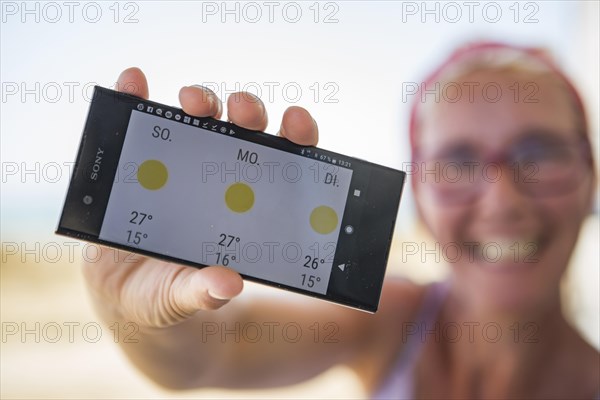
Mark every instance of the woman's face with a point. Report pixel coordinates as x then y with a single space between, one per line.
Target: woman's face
514 239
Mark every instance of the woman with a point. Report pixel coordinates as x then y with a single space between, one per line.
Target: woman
506 136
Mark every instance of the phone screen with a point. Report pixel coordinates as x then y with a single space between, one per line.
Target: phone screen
259 210
152 179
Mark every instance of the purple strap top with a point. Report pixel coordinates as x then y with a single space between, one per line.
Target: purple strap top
399 383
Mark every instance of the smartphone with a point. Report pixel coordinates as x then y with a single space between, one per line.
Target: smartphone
154 180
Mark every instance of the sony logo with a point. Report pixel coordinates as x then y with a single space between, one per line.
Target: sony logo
97 164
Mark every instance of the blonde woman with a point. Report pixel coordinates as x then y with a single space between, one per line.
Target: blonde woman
508 137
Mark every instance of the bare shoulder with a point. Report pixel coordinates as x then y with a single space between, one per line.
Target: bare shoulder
400 297
400 301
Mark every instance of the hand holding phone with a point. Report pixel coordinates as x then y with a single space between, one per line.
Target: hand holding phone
182 187
154 293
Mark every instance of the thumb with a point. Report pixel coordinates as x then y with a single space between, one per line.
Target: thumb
208 288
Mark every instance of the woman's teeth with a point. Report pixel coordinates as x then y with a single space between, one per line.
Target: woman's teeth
501 250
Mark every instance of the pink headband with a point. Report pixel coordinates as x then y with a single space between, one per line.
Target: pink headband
480 47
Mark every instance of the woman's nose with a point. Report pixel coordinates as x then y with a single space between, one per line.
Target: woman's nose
501 196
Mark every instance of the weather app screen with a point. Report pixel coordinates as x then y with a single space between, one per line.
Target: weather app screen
207 197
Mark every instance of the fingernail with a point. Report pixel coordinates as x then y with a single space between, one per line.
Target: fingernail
257 99
282 131
211 97
219 105
207 90
216 296
252 97
211 101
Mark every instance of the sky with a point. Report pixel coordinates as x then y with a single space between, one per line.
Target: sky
349 62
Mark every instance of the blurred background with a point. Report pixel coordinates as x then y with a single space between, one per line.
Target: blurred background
351 63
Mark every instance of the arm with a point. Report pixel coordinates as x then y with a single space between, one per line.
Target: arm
175 307
244 345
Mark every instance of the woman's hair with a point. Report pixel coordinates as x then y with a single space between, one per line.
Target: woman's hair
494 57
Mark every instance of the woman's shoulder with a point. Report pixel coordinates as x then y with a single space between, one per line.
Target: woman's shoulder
401 300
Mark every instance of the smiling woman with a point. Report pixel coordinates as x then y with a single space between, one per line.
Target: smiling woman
531 177
512 232
504 227
529 211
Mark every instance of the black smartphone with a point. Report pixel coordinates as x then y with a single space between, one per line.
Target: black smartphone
154 180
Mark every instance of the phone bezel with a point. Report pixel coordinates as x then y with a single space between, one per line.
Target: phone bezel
373 214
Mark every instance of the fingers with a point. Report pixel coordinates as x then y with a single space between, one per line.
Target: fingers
134 82
243 109
299 126
246 110
200 101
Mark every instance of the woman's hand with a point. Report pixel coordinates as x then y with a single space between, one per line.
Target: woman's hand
156 294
